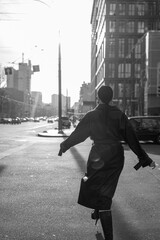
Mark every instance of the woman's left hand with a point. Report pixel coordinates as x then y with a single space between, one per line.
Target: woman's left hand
152 165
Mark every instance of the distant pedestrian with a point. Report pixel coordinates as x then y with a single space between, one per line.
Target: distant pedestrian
106 125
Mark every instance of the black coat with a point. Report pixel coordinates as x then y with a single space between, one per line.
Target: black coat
106 126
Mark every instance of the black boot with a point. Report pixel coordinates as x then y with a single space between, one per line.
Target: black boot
106 222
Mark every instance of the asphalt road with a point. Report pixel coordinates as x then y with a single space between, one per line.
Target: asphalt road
39 190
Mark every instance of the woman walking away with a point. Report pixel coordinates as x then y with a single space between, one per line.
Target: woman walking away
106 125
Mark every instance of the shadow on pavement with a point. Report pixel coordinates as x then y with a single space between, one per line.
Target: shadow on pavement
2 167
79 159
122 227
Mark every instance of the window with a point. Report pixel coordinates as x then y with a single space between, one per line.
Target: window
131 9
127 70
112 85
120 90
138 51
124 70
123 90
137 70
101 74
122 8
122 27
112 26
136 90
141 27
121 47
130 27
112 47
112 9
111 73
130 47
141 9
152 9
121 73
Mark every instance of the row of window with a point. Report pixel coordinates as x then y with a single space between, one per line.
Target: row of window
124 45
132 9
124 70
127 26
126 89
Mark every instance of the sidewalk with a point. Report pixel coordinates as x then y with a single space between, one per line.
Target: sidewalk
55 133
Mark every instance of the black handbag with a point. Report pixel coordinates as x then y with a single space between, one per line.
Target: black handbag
87 194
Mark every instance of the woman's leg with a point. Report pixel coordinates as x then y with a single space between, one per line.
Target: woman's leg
106 222
105 216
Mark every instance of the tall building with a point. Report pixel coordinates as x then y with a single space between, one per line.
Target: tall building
117 26
148 92
85 103
20 79
66 103
36 98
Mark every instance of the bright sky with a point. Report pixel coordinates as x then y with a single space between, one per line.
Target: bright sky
31 27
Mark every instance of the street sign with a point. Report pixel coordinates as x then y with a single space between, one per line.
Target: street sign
8 71
36 68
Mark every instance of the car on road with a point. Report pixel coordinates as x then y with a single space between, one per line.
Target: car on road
50 120
6 120
66 123
16 120
36 119
147 128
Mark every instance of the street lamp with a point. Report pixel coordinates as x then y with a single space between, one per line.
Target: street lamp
60 131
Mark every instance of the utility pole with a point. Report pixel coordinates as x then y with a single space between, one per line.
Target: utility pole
59 88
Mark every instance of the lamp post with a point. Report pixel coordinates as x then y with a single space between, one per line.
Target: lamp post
60 131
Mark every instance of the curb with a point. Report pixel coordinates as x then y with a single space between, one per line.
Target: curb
54 133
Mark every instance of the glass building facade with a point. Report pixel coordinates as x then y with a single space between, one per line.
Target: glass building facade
116 56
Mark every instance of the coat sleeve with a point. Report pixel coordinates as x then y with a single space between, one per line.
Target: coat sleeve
80 134
131 139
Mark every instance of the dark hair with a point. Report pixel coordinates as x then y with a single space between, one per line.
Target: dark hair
105 94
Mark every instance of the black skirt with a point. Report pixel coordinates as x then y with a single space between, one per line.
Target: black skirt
104 167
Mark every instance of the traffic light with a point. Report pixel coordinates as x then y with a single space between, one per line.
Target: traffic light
8 71
36 68
158 91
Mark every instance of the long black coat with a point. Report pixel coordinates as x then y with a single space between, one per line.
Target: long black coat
106 126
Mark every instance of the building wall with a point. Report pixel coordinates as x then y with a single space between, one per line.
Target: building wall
24 77
116 28
36 98
65 104
85 103
20 79
152 41
11 103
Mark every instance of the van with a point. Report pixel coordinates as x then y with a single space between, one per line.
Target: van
147 128
66 123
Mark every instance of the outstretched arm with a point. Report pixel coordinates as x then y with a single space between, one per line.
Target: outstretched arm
80 134
131 139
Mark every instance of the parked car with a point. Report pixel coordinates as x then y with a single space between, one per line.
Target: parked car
50 120
36 119
66 123
6 120
16 120
147 128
